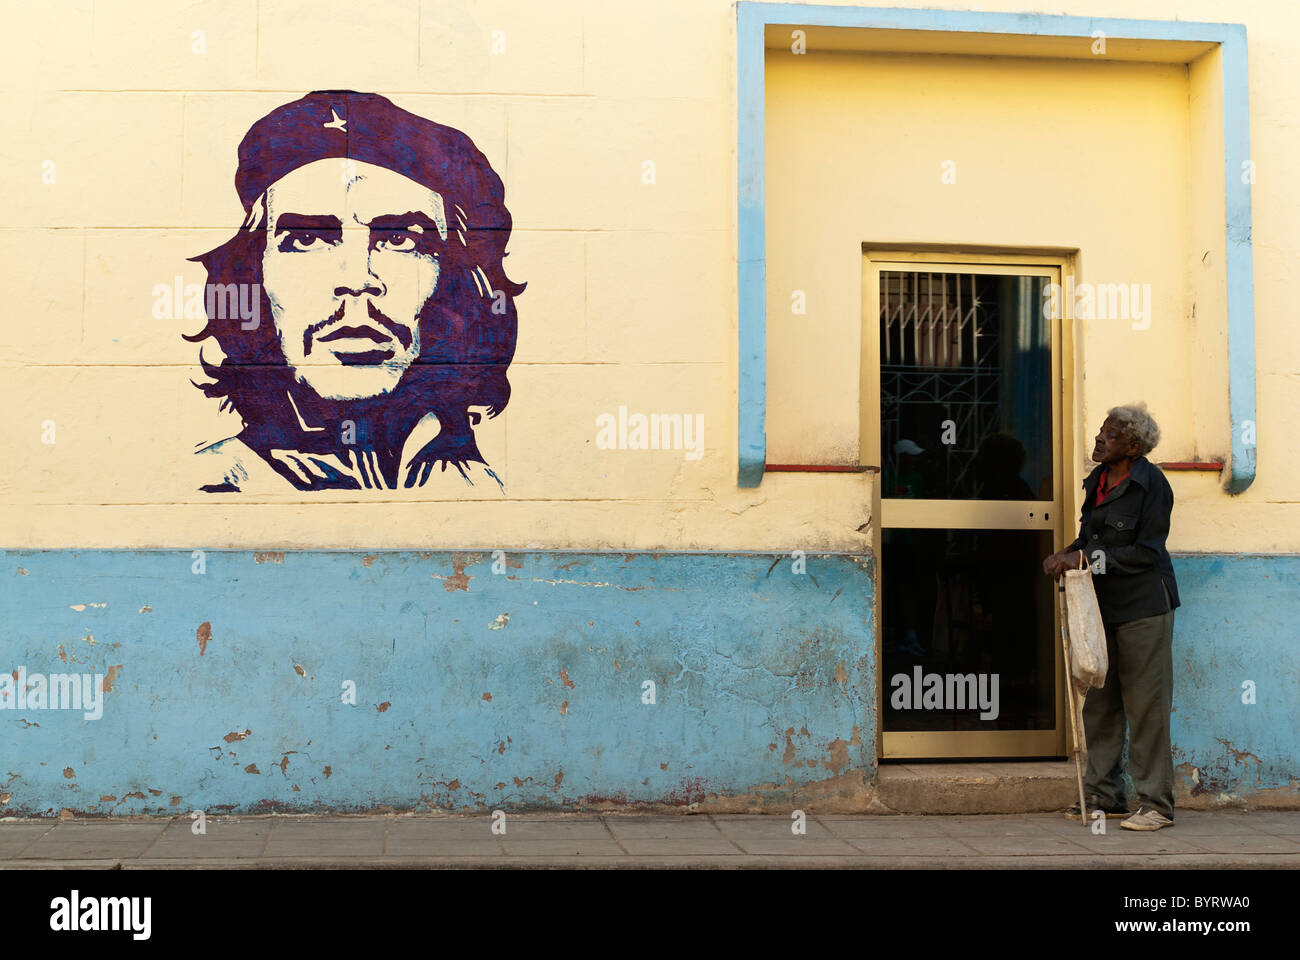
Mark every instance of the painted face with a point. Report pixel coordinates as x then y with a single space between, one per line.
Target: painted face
352 257
1111 444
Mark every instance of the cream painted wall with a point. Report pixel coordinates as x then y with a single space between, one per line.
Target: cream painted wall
1074 154
632 295
1046 154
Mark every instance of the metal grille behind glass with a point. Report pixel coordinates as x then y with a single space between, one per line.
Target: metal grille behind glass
965 391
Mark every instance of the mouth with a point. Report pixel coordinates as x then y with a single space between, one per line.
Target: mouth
356 345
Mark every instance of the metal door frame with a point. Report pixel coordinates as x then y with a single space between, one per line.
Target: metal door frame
1058 266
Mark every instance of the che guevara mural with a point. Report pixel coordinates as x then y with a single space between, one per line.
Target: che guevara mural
383 326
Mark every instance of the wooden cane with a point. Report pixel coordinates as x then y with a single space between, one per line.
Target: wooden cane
1069 694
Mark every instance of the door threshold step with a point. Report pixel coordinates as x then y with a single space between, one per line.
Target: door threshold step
1037 786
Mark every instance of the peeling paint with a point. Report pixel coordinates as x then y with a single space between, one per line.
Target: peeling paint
298 669
383 706
235 736
1240 756
589 583
106 685
203 634
268 556
838 759
458 580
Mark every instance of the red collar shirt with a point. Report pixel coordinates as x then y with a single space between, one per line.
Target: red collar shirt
1103 490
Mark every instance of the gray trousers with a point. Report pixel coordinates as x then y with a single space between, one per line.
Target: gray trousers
1139 686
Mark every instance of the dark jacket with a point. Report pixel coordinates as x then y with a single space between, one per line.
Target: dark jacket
1129 529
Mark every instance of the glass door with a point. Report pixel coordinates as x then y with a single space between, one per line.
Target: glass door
961 380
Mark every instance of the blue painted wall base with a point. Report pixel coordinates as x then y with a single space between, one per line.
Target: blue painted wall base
1237 680
522 688
526 687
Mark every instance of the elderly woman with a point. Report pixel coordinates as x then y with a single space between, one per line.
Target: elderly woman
1125 522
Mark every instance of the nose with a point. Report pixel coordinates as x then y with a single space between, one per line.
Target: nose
356 276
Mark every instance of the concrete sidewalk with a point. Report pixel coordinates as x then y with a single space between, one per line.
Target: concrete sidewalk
1199 839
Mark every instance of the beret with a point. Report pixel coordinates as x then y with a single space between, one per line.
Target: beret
366 127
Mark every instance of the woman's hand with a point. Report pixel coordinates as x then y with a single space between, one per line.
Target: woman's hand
1058 563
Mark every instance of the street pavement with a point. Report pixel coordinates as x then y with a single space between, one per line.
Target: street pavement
1217 840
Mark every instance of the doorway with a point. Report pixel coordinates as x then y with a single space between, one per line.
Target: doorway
961 413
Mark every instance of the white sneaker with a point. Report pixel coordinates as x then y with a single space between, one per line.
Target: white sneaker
1146 819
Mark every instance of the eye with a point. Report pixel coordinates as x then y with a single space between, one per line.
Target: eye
400 241
402 238
303 241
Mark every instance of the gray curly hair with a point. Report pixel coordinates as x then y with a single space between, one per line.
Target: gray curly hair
1136 425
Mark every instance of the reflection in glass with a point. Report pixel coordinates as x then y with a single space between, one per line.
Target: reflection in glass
960 604
965 399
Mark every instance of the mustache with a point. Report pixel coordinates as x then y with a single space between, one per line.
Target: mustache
375 332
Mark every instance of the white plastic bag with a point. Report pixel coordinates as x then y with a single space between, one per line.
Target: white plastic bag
1088 661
